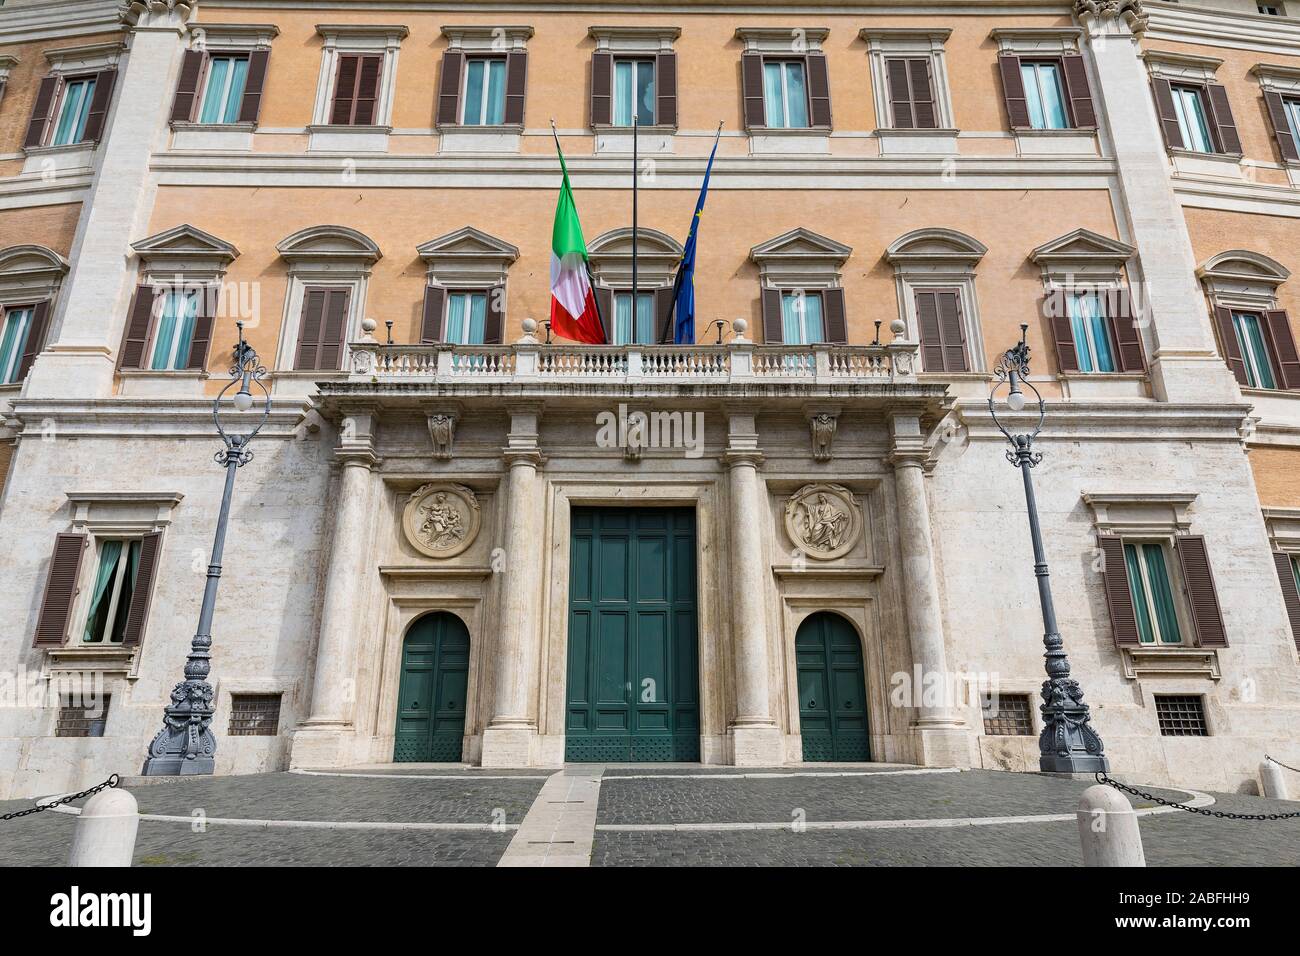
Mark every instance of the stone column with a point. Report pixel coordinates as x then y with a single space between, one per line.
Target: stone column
756 738
1185 364
508 740
938 729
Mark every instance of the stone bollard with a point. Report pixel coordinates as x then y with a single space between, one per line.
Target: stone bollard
1108 829
105 834
1271 782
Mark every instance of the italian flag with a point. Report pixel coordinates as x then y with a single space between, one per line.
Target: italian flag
573 303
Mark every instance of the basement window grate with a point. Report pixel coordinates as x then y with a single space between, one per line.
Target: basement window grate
254 715
1007 715
83 720
1181 715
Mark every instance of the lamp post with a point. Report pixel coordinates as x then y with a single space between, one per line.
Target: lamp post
186 745
1068 744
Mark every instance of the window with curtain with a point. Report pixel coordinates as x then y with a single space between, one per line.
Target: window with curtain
224 90
485 92
1249 327
110 600
466 317
171 348
1044 95
13 339
630 329
1292 107
1189 107
1091 334
785 94
1153 597
74 111
801 318
634 92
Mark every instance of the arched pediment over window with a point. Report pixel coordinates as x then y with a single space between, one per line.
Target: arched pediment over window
611 257
1241 265
31 262
936 244
325 244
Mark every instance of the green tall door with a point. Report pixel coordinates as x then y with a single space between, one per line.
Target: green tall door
431 696
832 692
633 680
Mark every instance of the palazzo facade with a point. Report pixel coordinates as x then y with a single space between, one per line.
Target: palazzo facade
463 539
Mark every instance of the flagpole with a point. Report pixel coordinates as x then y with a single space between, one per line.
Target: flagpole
590 278
635 130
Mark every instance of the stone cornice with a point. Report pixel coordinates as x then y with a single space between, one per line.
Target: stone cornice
131 12
1187 23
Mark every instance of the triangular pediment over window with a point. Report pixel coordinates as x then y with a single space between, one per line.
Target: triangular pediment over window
467 242
1083 245
184 250
801 243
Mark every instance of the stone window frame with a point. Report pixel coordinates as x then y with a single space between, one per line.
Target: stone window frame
884 43
631 42
1250 289
479 40
481 264
793 42
657 257
1285 81
940 269
1194 69
1049 43
226 38
383 39
29 274
7 64
76 61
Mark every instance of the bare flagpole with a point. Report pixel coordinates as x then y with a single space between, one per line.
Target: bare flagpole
590 278
635 131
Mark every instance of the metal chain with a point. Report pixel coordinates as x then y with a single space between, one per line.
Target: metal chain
110 782
1224 814
1281 764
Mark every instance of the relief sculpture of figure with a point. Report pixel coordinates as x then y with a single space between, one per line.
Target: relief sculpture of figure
442 522
825 525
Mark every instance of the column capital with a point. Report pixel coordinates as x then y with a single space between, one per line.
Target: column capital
738 457
1112 16
523 456
155 13
357 458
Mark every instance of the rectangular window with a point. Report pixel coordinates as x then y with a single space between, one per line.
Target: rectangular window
1044 95
254 715
1091 336
1007 715
466 317
1189 107
175 333
224 90
1181 715
1153 598
634 92
73 111
485 92
638 329
13 340
1249 327
785 94
1292 108
801 318
77 719
110 597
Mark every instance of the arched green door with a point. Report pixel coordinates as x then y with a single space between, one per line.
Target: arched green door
431 696
832 692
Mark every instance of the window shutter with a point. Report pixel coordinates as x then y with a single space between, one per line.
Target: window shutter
819 90
187 87
323 325
1119 599
1164 97
927 320
923 95
1201 594
605 307
1067 354
435 301
1284 350
1228 341
1221 116
203 319
250 107
900 93
665 300
41 111
335 328
1290 596
453 63
36 336
60 589
751 82
99 104
1078 90
833 310
367 90
494 321
1286 142
138 325
602 78
1013 91
773 331
954 336
666 89
142 595
1123 327
345 84
516 87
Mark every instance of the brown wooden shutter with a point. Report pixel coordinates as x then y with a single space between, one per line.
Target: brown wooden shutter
494 321
1290 595
751 82
435 302
927 320
1164 97
1123 328
142 592
954 335
345 89
250 107
605 308
187 87
923 109
773 327
1286 143
1228 342
99 104
60 590
900 93
334 330
664 303
36 335
602 79
835 315
1221 116
1119 598
1284 348
203 320
367 90
1202 597
41 112
1078 90
819 90
138 325
1013 91
516 87
1067 354
666 90
453 64
323 325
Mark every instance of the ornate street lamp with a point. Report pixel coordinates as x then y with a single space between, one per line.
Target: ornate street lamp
1068 744
186 745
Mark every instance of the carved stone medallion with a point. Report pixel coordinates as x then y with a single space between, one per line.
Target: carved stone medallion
823 520
441 519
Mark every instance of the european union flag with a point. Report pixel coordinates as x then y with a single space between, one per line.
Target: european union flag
684 286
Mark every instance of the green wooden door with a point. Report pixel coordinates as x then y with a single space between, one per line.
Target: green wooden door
431 696
633 677
832 693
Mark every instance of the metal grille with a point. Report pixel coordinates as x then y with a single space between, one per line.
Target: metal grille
83 720
1007 715
1181 715
254 715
